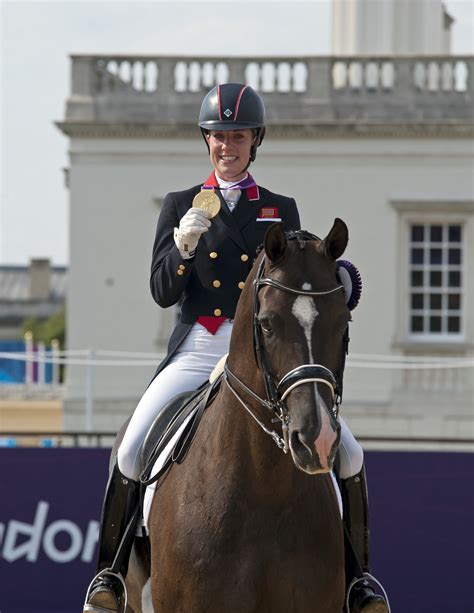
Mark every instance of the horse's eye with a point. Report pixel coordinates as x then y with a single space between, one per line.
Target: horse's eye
266 325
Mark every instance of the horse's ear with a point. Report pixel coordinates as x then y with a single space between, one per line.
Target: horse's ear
336 241
275 242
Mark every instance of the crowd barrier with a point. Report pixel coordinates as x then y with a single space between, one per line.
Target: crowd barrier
422 506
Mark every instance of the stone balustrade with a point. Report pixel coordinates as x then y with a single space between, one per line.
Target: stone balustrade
434 381
297 90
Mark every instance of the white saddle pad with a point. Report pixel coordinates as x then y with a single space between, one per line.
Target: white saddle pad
162 458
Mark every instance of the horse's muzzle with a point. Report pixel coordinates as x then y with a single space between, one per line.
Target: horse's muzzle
312 454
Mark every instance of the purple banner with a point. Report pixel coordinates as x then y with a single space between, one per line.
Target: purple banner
51 501
422 508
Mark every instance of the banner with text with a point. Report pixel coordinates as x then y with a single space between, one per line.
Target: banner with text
422 507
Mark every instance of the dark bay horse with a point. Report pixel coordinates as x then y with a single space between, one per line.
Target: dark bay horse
240 526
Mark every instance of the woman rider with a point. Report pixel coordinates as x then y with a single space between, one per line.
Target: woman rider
201 262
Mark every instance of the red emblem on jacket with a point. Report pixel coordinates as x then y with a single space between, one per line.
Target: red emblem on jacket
268 213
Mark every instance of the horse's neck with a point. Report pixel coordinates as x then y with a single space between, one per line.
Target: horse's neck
241 450
240 447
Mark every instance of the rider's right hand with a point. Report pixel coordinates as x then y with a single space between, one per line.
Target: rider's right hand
194 223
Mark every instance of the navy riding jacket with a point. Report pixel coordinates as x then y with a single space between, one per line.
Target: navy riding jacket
210 283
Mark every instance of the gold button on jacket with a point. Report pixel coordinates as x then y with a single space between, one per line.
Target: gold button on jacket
216 283
217 312
241 285
213 255
182 267
180 272
244 257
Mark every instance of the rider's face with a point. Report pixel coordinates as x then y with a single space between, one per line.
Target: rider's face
230 152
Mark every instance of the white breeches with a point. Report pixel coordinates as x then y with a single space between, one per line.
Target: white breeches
189 368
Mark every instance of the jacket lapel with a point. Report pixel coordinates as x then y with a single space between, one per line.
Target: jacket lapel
246 210
226 219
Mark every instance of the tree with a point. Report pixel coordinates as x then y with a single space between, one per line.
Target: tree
46 331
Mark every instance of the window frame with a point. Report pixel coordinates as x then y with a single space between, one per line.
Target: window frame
431 212
440 290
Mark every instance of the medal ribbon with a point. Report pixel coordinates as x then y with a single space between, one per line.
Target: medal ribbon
248 184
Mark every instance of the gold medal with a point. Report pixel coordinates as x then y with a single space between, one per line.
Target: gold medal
208 200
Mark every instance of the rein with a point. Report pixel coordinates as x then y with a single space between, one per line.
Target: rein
278 392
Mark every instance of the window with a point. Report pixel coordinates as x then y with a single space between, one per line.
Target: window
435 280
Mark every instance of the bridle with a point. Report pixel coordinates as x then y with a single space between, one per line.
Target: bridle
276 393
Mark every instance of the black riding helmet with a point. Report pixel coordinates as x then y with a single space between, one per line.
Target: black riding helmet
233 106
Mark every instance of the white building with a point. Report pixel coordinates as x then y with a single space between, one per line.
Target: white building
382 141
390 27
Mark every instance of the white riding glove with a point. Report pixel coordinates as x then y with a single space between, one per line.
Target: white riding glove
194 223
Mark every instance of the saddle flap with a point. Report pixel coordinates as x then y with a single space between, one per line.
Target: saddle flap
173 430
171 413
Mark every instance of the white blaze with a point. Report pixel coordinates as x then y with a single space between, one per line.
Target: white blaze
327 435
147 604
305 312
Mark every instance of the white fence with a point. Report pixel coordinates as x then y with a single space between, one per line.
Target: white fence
437 373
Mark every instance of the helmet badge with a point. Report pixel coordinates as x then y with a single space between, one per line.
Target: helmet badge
227 113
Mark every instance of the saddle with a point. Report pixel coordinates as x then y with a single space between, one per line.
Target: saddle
177 424
178 419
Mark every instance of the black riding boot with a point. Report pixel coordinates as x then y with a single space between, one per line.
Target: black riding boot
362 596
118 524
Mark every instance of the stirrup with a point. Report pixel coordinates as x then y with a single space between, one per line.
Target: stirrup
367 577
108 572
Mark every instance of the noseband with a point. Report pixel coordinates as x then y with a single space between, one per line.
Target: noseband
306 373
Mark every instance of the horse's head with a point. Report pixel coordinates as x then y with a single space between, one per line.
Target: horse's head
300 327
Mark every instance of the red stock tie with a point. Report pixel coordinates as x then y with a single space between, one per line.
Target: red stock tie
212 324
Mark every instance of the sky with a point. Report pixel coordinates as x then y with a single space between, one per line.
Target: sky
36 40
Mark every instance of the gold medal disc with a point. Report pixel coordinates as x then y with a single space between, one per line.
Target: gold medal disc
208 200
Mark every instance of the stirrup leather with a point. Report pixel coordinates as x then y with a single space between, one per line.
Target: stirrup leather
106 572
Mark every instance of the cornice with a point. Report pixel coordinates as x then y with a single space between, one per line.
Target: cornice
432 205
330 129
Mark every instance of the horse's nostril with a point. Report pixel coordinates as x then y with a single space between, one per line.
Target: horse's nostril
298 443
